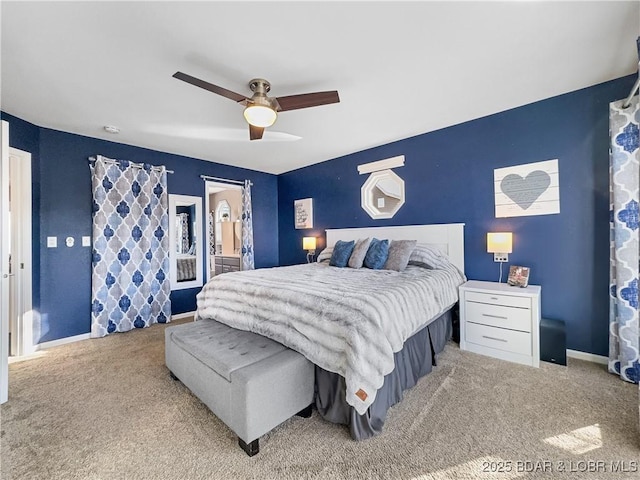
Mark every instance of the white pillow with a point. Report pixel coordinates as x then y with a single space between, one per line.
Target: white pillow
428 255
325 255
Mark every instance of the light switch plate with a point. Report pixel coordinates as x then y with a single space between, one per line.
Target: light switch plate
86 241
52 242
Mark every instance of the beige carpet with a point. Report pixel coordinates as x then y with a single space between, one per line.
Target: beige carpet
107 409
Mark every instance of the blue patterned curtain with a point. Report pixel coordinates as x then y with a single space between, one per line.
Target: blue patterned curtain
624 171
130 277
247 228
212 234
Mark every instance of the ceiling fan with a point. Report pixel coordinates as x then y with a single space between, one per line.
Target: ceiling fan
261 110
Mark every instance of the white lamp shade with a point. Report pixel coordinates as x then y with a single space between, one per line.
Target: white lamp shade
499 242
260 116
308 243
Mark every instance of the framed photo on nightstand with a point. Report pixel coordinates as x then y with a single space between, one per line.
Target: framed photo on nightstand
518 276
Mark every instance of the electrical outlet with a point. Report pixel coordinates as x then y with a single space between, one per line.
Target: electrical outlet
501 257
52 242
86 241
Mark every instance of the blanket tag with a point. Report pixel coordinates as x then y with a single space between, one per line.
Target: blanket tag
362 395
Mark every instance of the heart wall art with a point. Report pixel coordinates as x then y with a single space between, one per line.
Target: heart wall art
530 189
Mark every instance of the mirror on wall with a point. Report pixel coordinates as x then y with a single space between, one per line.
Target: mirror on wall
185 234
382 194
223 204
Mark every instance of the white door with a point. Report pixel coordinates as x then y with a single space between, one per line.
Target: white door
20 312
4 261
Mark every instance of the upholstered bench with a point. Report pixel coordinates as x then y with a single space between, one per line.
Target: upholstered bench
249 382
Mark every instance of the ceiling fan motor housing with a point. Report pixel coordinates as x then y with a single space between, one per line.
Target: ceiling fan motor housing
260 87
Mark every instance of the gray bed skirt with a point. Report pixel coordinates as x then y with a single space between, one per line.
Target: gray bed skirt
415 360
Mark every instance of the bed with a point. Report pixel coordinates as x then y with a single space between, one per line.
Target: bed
368 344
185 267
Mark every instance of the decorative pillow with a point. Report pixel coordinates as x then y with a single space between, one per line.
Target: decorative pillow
376 254
341 253
399 252
428 256
359 251
325 254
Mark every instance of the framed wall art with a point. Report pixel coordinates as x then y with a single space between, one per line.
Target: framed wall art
530 189
303 213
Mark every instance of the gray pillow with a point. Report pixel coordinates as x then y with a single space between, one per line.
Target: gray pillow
399 253
359 251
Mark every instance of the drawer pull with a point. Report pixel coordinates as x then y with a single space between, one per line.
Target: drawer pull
493 298
494 316
494 338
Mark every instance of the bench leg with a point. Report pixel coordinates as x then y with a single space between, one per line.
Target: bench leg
249 448
305 412
173 377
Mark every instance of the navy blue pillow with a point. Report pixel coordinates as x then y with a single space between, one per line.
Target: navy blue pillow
341 253
377 254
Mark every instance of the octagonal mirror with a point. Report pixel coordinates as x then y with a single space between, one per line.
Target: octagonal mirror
382 194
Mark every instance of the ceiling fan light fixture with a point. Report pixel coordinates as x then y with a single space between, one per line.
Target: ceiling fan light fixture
260 115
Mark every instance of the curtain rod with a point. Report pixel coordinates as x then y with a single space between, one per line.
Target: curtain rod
224 180
135 165
627 102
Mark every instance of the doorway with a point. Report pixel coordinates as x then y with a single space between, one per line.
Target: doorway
223 239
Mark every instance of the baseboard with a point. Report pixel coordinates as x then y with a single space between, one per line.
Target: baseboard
589 357
86 336
61 341
180 316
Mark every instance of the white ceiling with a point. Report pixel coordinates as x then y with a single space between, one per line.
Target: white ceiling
401 69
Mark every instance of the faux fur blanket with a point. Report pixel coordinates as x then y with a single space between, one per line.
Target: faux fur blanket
348 321
186 267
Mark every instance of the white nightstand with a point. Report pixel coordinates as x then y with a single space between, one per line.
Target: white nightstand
501 321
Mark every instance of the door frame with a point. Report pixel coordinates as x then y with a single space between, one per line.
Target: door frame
4 261
21 319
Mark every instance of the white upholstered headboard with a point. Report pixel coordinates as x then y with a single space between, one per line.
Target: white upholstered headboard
448 237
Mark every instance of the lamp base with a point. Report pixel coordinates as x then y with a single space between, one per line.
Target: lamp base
310 256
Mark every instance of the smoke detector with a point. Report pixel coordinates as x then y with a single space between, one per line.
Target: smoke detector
111 129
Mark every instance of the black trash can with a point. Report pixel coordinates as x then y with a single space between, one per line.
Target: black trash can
553 341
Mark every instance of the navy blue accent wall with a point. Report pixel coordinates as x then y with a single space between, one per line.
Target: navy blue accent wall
62 189
448 178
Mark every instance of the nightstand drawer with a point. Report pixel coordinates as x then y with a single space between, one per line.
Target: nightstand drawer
499 338
499 299
498 316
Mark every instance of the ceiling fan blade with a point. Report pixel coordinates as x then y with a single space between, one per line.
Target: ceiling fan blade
255 133
305 100
236 97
